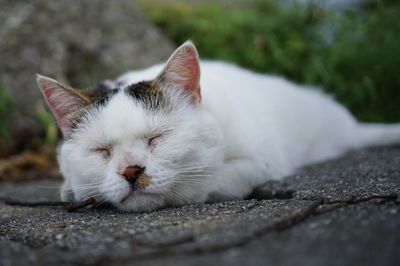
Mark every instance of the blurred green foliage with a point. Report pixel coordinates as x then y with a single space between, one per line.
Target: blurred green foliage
354 55
6 111
50 137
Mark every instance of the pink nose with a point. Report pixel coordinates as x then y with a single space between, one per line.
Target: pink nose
132 173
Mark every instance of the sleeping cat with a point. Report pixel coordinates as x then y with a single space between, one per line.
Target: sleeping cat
166 136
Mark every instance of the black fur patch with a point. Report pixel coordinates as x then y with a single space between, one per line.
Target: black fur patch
102 94
147 94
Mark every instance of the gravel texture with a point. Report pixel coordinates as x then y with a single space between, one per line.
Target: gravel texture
284 223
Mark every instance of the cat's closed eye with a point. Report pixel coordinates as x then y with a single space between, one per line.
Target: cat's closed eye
151 141
105 152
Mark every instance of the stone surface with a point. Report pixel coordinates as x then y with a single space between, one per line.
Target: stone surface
228 233
78 42
376 170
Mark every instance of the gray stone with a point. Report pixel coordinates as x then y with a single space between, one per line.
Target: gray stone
79 42
360 173
247 232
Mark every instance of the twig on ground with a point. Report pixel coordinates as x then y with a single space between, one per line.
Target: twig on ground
81 204
174 242
15 202
330 205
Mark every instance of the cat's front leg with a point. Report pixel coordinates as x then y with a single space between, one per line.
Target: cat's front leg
66 192
237 179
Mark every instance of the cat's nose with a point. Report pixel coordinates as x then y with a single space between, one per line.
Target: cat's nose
132 173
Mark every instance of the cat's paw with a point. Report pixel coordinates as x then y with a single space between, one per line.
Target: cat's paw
66 192
219 197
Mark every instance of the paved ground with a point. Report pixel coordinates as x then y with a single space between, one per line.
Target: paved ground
343 212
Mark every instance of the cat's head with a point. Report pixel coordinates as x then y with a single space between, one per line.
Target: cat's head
141 146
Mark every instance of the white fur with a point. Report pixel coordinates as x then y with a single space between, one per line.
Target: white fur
271 126
189 149
248 128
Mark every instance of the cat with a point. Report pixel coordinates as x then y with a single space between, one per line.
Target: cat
163 136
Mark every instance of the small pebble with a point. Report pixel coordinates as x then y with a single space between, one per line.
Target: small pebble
59 236
57 225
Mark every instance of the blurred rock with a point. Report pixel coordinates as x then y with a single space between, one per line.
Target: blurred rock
79 42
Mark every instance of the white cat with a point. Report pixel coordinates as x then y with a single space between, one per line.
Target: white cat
153 138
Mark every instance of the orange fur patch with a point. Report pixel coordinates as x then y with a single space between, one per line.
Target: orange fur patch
143 181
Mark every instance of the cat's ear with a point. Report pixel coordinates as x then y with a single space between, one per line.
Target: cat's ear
62 100
183 69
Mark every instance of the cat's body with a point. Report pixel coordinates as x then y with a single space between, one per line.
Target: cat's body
240 131
271 126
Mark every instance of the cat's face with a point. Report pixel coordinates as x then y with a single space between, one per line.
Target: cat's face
142 146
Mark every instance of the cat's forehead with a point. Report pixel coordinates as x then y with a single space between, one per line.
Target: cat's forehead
116 111
145 93
122 116
128 109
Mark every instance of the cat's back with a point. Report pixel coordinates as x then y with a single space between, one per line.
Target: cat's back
255 95
227 88
267 112
230 78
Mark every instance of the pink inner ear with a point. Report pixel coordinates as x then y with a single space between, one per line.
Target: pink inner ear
183 69
61 102
61 106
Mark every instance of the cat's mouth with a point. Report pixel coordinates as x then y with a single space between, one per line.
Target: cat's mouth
126 197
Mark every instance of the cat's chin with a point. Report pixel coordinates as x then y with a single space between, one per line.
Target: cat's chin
140 201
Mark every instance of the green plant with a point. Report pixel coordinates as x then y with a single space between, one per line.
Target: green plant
363 61
6 111
50 128
354 56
